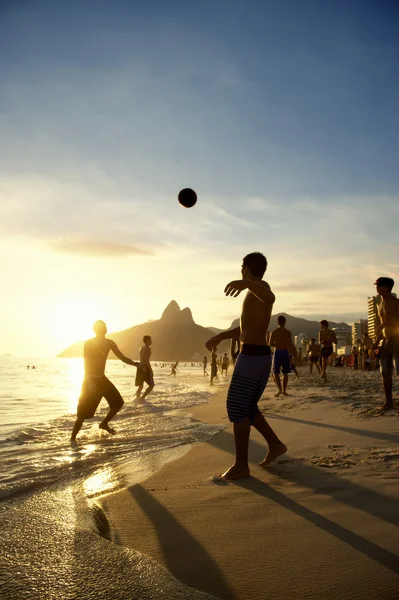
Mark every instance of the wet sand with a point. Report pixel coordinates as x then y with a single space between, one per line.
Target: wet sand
320 522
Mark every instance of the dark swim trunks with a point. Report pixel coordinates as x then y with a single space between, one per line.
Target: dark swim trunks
89 400
389 352
281 362
248 382
326 351
314 359
144 377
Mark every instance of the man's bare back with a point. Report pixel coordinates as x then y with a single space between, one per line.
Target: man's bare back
388 312
281 339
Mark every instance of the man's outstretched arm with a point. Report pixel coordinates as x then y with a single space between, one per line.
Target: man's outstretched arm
122 357
224 335
260 289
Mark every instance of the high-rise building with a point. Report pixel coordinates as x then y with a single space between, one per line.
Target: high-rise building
373 320
359 329
343 333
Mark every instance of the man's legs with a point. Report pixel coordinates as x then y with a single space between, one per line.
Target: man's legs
148 390
276 446
115 401
324 360
285 383
240 467
76 428
139 390
387 382
311 366
110 414
277 380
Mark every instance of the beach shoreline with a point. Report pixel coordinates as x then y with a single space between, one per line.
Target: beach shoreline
321 521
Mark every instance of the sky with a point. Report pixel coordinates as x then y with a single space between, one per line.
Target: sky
282 115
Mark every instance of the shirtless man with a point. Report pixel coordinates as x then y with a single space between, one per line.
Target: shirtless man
95 384
204 364
314 355
225 363
388 332
327 338
281 340
253 364
144 372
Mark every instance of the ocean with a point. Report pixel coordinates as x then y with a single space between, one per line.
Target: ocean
54 541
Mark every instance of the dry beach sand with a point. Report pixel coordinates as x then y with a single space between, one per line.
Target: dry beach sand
321 522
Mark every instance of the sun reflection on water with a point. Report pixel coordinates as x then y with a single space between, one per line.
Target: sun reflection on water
75 378
101 482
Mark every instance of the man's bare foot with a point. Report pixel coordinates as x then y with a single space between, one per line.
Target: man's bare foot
236 472
278 394
106 427
387 406
285 394
273 453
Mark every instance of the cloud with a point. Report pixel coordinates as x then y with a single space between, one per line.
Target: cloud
95 248
299 286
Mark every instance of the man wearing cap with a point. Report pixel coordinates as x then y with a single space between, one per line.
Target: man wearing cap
388 331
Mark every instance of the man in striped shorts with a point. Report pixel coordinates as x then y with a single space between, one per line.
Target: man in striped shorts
253 364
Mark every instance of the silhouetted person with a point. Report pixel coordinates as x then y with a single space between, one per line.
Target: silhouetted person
388 331
281 340
252 368
204 363
314 356
327 338
144 372
174 369
95 384
214 365
225 363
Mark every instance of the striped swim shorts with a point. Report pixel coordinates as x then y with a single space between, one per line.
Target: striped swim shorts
248 382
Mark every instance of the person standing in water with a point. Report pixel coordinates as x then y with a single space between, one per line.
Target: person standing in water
204 364
214 365
225 363
95 384
174 369
144 372
253 364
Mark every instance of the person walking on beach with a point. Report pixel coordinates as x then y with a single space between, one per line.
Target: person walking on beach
314 356
214 365
281 340
144 372
95 384
225 363
253 364
388 332
204 364
327 338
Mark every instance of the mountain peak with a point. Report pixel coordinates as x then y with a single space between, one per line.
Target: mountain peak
171 312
